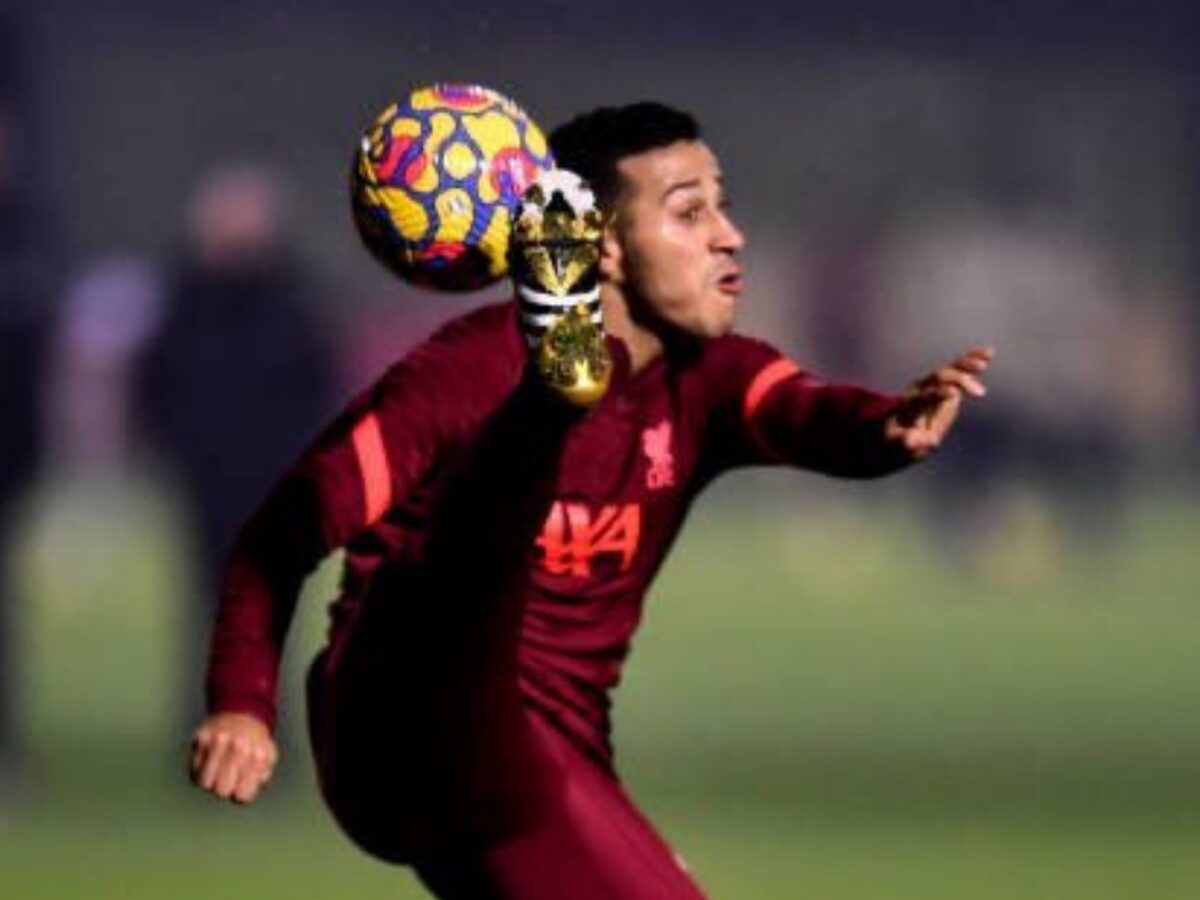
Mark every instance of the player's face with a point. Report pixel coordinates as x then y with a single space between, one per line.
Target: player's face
672 250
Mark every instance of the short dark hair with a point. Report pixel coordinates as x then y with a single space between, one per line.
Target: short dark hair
592 144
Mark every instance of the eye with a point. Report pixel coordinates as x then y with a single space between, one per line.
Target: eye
693 212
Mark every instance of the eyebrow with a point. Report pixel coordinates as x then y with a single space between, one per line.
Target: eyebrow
688 184
681 186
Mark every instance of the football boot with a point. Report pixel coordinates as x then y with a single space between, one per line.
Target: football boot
554 263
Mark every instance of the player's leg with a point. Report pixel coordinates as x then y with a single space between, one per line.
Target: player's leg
422 737
593 843
418 722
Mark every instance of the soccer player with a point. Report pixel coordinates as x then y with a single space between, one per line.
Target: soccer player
500 540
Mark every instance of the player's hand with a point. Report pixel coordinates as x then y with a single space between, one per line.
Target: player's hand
232 755
931 405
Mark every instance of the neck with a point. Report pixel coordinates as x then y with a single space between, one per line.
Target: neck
644 345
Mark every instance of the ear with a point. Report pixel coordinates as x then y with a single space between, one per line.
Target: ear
612 261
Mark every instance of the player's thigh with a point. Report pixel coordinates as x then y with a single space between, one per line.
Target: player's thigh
404 776
421 677
593 844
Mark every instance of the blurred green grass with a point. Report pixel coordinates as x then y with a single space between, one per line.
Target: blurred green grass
825 700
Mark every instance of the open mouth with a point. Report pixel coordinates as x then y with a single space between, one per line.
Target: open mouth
731 282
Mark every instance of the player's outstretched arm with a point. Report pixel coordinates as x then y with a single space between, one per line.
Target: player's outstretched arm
232 756
794 417
929 409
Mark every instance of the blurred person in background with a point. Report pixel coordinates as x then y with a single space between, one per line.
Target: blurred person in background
238 374
25 323
109 311
1046 464
847 302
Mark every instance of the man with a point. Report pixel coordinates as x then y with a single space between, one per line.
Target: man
500 542
27 322
236 377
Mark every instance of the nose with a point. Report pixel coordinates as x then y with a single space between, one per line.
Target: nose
728 236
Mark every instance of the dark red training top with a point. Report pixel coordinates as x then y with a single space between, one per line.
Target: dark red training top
630 470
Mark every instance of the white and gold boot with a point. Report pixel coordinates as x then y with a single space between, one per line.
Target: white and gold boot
554 262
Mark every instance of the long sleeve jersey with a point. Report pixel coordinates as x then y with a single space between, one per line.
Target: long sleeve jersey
629 471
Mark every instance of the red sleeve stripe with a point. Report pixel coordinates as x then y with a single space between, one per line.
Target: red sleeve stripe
373 466
769 376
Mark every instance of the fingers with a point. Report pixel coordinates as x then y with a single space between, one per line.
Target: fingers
929 429
956 377
230 765
932 404
230 769
976 360
255 773
961 373
199 754
211 748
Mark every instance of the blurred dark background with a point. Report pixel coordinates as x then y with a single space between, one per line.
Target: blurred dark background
933 693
